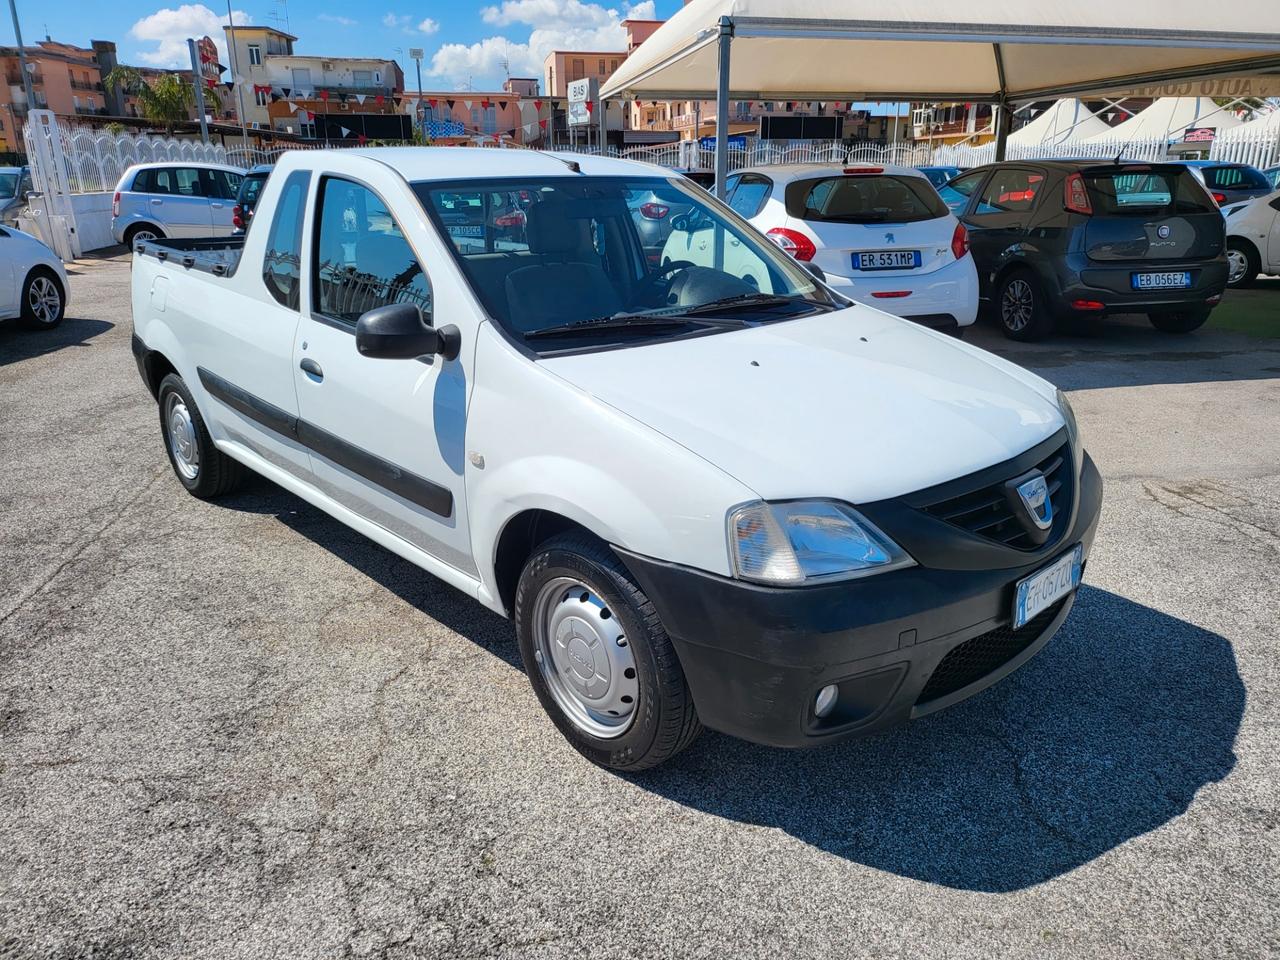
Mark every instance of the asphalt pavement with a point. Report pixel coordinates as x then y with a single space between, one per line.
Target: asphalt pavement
240 730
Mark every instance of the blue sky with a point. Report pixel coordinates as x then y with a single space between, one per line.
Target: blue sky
465 42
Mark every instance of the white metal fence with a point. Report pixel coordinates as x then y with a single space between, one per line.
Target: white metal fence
1255 143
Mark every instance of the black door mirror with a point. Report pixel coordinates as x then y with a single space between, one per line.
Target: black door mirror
399 332
818 273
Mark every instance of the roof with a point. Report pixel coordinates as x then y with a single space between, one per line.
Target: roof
468 163
256 28
785 172
1067 119
1168 117
198 164
913 49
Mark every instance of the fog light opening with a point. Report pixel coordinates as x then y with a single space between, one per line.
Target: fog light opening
826 701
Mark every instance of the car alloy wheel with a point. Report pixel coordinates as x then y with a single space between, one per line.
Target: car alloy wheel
1237 265
1017 304
45 299
584 658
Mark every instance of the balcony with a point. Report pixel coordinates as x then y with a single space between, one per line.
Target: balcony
14 77
85 85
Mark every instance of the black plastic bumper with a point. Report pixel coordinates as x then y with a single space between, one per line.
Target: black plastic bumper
755 657
1078 278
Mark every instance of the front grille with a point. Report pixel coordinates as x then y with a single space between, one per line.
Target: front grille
974 659
987 512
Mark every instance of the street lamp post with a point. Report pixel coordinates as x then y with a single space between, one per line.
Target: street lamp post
415 54
22 65
235 73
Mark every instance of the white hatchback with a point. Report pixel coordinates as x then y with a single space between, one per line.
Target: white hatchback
879 234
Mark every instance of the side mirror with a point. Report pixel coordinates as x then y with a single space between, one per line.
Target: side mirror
816 271
680 223
399 331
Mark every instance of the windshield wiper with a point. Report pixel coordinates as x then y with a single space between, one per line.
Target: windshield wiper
741 300
624 321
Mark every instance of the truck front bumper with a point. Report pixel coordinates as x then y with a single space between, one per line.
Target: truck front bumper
897 645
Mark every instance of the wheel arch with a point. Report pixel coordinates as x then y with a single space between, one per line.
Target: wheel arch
155 367
137 225
520 537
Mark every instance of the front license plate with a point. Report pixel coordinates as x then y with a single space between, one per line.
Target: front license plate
1161 281
1044 587
887 260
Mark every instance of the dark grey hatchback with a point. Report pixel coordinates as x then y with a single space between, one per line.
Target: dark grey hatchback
1055 239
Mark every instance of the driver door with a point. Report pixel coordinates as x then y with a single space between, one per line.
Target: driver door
387 437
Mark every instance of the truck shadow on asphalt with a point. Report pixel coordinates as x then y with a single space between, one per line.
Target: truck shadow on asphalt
17 344
1106 735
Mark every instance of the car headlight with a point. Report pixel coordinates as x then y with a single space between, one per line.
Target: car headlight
807 541
1073 429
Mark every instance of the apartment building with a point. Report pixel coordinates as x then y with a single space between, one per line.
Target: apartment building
248 48
64 78
331 98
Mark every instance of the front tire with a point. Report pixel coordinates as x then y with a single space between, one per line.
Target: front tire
598 658
1243 263
44 302
1020 308
1183 322
198 464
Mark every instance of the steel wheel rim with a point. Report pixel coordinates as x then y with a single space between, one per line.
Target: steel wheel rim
1237 265
1017 304
143 236
182 437
44 299
584 658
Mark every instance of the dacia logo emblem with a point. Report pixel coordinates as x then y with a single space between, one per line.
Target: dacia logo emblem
1034 494
889 238
1163 232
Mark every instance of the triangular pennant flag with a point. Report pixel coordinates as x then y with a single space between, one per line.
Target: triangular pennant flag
484 104
286 91
342 97
230 85
379 99
432 102
591 106
543 123
397 100
360 98
324 95
293 107
537 105
345 132
502 104
466 104
449 104
311 116
362 139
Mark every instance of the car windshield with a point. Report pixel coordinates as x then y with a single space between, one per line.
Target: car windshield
250 188
610 259
864 198
8 185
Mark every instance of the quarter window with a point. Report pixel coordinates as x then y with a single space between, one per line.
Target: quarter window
749 196
282 263
1010 191
362 257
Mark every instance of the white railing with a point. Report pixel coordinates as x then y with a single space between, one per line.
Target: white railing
1255 143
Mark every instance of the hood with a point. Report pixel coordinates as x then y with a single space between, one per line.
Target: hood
854 405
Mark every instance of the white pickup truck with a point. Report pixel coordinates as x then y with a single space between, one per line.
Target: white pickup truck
705 499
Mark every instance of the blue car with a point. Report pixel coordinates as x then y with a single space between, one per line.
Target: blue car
1229 182
938 176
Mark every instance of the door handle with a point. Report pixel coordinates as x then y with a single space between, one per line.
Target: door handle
312 369
156 201
216 206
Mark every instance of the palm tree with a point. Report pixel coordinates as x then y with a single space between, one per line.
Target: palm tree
167 99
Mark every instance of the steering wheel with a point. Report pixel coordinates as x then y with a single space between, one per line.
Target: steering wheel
658 281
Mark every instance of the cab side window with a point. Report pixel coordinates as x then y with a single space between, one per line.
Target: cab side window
362 259
282 263
751 193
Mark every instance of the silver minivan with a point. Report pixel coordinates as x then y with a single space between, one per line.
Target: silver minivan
174 200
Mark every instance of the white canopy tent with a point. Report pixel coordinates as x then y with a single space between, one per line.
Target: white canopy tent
999 51
1168 117
1067 119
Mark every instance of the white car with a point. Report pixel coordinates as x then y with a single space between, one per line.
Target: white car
174 199
704 499
33 283
1253 239
878 234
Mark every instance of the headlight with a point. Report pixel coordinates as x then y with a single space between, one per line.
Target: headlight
1073 429
807 541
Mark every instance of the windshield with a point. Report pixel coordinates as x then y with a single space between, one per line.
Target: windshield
608 259
8 185
250 188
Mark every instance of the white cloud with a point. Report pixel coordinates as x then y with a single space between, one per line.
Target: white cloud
395 20
340 21
556 25
169 28
429 26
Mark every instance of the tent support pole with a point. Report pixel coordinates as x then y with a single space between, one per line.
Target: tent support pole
722 106
1003 117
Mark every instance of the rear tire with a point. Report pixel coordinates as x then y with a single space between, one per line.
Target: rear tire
1183 322
1020 308
1243 263
44 302
142 231
198 464
598 658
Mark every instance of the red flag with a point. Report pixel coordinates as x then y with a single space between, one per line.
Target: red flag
362 139
324 95
378 99
432 101
542 124
591 106
485 104
310 116
537 105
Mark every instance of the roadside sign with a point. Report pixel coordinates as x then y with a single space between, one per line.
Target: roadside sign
415 53
1199 134
581 94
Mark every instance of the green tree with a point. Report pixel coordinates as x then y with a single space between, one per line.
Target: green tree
167 99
